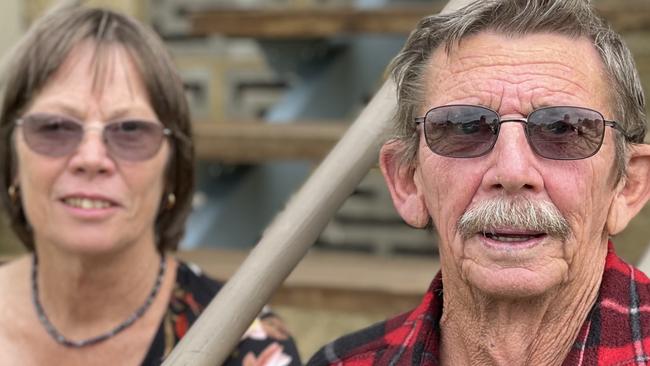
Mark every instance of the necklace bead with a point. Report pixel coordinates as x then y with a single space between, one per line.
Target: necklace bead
61 339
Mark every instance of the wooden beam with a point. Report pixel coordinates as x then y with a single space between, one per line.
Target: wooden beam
407 275
257 142
304 23
626 16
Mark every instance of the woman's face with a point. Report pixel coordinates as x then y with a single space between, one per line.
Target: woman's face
90 201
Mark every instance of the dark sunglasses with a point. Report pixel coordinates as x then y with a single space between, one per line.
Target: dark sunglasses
559 133
57 136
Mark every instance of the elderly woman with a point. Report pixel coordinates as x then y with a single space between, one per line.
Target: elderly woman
97 178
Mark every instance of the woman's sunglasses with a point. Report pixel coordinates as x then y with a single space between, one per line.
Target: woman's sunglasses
57 136
559 133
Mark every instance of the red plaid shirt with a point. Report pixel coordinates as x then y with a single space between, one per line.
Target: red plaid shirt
616 331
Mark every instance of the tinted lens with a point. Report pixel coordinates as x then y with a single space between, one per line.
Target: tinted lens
51 135
461 131
565 133
134 140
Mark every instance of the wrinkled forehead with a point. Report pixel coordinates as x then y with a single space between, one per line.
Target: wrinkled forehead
522 72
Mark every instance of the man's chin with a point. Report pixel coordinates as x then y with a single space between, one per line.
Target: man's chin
514 282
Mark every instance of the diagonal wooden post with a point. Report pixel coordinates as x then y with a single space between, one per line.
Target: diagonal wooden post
285 242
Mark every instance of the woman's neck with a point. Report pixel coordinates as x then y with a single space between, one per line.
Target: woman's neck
481 330
87 295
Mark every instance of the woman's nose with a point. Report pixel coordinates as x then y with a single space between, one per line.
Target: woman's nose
92 154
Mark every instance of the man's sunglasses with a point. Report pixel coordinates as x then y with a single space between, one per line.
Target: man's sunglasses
57 136
559 133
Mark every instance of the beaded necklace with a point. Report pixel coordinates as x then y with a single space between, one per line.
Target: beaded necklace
60 338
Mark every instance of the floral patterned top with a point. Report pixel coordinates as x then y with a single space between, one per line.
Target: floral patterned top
192 293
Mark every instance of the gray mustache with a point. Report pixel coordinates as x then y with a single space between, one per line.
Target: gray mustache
521 213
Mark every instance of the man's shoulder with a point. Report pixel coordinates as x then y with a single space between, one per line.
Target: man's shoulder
410 338
624 283
362 347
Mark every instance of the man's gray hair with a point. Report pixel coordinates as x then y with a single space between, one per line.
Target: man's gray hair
573 18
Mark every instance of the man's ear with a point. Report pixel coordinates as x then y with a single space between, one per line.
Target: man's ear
400 179
632 192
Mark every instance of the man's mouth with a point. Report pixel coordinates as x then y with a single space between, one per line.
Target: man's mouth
510 221
512 237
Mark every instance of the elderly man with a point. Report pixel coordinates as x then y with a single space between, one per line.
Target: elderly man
520 129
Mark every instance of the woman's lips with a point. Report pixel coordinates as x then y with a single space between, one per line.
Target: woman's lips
87 203
89 207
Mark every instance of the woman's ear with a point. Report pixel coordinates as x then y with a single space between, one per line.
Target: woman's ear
632 192
400 179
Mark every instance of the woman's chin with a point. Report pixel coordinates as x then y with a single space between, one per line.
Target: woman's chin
89 245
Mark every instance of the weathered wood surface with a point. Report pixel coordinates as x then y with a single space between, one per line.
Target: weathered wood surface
306 23
301 23
626 16
257 142
357 277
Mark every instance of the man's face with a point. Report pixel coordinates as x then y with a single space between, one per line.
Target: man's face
515 76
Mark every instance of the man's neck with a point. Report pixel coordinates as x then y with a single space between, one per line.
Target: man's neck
482 330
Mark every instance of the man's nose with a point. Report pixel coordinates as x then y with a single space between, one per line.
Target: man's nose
514 165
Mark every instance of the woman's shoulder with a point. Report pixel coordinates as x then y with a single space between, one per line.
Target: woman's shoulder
192 281
23 260
17 316
11 272
193 292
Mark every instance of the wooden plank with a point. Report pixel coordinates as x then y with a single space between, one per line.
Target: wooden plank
36 8
626 16
343 281
304 23
256 142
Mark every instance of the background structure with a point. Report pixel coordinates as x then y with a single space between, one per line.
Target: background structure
269 97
